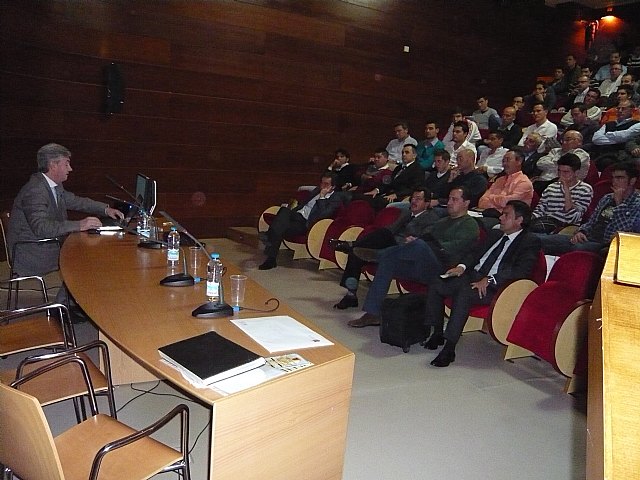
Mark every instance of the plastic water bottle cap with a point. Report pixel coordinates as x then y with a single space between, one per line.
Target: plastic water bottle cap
173 229
215 255
236 308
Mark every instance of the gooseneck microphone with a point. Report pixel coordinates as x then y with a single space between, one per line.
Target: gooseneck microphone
208 309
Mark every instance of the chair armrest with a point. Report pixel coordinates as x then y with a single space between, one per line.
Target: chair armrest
39 279
67 359
181 410
64 317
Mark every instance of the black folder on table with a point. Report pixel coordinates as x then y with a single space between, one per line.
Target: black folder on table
210 357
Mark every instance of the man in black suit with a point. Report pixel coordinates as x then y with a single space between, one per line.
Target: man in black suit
404 180
507 254
324 201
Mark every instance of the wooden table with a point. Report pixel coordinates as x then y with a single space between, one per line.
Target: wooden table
293 426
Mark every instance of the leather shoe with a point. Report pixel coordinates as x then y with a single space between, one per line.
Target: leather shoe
434 342
366 320
268 264
340 245
444 358
366 254
347 301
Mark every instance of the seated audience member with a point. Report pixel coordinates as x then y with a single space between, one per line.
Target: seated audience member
490 159
584 125
404 180
593 111
559 83
473 132
541 125
572 70
616 212
429 145
604 72
623 95
459 141
324 201
484 113
422 259
507 254
465 175
633 62
345 172
375 175
548 165
540 95
586 71
531 155
578 95
402 138
40 211
610 85
511 131
438 180
612 137
563 202
514 185
518 102
411 224
630 80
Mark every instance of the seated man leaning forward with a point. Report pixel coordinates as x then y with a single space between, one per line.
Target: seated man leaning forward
507 254
615 212
324 201
563 202
514 185
40 211
424 258
411 224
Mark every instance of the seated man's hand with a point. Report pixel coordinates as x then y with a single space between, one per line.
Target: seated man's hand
391 197
481 285
579 237
90 222
372 193
409 238
114 212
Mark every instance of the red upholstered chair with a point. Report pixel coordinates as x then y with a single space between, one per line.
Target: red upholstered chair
551 324
593 176
356 214
600 189
384 217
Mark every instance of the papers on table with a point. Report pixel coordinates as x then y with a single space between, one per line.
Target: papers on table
281 333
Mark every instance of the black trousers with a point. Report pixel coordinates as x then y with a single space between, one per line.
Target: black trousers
286 222
463 297
378 239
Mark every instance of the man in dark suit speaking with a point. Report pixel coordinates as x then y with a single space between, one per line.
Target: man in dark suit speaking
507 254
40 211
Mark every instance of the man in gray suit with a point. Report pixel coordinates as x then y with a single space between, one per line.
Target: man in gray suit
40 211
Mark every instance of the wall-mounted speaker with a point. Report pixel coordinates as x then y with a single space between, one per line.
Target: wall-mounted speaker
114 93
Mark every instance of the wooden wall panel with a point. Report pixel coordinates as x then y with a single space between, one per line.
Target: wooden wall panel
238 102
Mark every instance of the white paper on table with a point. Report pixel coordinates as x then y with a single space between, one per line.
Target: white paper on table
280 333
245 380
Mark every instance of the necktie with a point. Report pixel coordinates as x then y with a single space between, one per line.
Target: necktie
485 268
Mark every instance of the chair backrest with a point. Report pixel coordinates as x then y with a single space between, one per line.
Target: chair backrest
4 225
385 217
579 271
26 443
600 189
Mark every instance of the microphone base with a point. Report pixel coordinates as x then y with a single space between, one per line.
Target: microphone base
154 245
213 310
178 280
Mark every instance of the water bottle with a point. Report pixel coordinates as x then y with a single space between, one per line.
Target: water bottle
144 225
173 247
214 279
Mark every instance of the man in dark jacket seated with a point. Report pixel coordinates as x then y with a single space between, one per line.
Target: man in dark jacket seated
507 254
323 202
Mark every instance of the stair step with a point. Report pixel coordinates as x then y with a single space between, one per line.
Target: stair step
245 235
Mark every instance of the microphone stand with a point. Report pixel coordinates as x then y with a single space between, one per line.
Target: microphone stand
208 309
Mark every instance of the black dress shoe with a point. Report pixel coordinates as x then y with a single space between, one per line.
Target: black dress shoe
444 358
347 301
340 245
434 341
366 320
268 264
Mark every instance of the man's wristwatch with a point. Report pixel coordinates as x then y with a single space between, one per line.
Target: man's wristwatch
491 280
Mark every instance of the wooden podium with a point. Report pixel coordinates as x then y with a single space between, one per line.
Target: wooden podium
613 421
293 426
